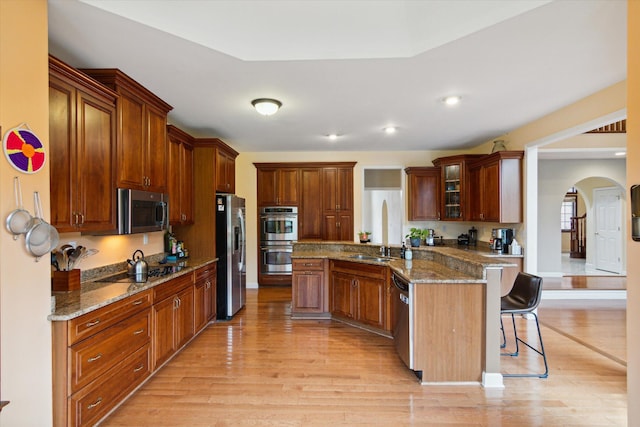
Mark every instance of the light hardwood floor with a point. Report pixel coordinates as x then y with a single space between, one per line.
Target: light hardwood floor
263 369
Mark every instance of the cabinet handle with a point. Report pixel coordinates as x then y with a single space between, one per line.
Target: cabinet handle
94 358
137 302
138 332
94 323
138 368
94 404
81 218
308 264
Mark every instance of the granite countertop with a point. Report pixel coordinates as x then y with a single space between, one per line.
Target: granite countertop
430 264
94 294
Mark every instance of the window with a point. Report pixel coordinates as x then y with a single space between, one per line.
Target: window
568 209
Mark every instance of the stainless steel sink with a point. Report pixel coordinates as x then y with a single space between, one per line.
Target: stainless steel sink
369 258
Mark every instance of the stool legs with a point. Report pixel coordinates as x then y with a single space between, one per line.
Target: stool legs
541 351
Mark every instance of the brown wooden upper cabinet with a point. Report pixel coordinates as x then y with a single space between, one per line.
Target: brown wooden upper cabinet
337 203
453 185
225 169
141 138
310 212
180 176
82 129
495 187
423 193
277 186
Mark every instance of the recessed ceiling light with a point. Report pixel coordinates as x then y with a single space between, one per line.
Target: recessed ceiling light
332 136
390 129
621 153
452 100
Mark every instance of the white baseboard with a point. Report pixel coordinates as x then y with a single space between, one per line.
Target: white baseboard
492 380
559 294
253 285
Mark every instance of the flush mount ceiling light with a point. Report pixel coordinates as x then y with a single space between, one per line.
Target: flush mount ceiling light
390 129
452 100
332 136
266 106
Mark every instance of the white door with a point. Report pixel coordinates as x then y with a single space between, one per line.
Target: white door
608 233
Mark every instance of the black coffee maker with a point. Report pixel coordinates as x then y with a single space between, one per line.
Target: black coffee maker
473 236
501 239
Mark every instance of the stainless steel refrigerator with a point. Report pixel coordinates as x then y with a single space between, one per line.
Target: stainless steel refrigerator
231 252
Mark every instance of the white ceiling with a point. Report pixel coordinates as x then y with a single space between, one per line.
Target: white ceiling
351 67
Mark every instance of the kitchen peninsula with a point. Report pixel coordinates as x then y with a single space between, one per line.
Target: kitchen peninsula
454 297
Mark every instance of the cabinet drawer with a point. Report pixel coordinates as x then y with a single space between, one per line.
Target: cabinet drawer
95 401
172 287
206 272
94 356
308 264
100 319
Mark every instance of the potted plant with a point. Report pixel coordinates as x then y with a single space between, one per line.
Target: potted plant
416 235
364 236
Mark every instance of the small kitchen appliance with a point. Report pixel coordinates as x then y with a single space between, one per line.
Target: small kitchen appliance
501 239
138 267
473 236
463 240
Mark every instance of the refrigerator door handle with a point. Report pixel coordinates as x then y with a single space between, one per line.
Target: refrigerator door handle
242 239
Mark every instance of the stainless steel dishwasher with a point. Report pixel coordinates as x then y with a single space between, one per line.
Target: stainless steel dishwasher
402 308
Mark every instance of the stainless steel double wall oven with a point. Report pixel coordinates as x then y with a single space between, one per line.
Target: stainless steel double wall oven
278 231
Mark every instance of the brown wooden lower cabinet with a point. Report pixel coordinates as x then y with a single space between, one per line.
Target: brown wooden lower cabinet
99 358
204 308
172 317
308 291
360 292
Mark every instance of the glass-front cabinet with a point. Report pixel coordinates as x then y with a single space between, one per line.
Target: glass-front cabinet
452 208
455 198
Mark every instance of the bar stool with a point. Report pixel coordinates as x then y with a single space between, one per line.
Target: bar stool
524 298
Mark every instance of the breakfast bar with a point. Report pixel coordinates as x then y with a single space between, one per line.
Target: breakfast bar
451 298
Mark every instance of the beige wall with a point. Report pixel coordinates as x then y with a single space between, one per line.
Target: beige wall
633 177
24 284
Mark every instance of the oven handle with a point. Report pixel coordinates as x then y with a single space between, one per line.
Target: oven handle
279 216
276 249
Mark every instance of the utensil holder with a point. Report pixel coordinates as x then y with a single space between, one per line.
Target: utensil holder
65 281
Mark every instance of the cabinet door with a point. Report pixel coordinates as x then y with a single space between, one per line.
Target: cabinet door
310 215
344 189
184 317
267 186
329 185
341 294
476 192
174 182
164 334
132 146
156 150
424 194
222 174
491 194
186 184
95 164
210 298
337 226
288 187
308 291
371 301
62 142
200 317
452 192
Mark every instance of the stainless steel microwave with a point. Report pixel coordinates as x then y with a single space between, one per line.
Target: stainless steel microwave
141 211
